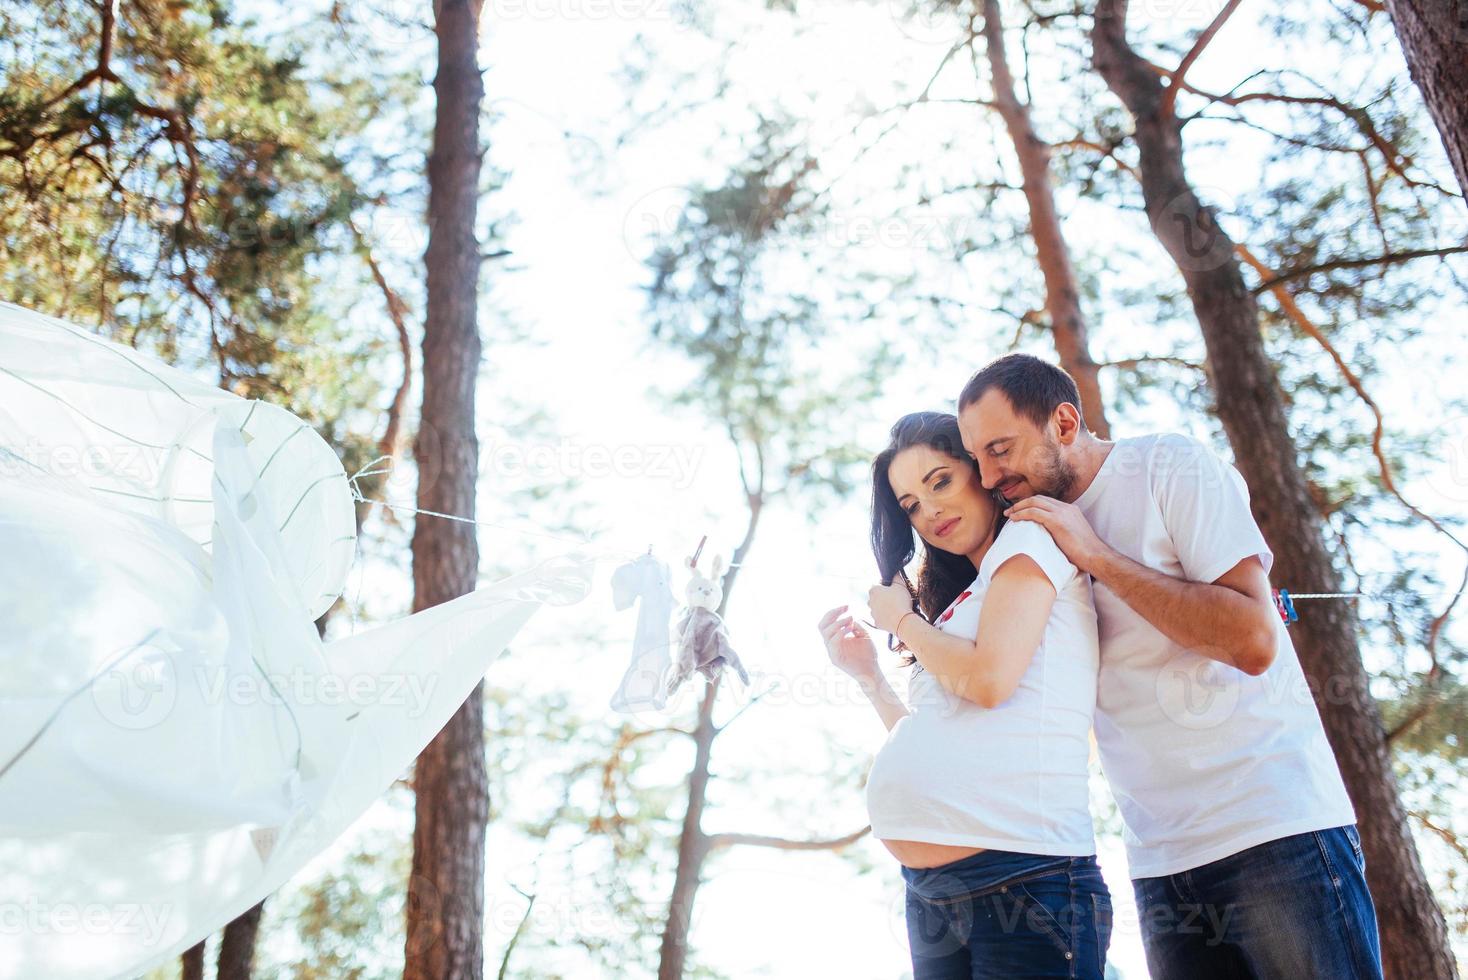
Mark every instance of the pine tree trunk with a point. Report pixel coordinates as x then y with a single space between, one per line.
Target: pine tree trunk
446 891
237 947
1062 291
1434 36
1413 934
693 843
191 963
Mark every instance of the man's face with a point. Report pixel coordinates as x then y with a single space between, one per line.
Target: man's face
1015 456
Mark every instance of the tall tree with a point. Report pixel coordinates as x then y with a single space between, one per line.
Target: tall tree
446 891
191 962
1434 36
1062 289
722 295
1252 410
237 945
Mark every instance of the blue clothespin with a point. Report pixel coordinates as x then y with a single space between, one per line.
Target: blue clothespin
1285 606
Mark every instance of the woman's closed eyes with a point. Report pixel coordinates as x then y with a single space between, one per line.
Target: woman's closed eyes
938 485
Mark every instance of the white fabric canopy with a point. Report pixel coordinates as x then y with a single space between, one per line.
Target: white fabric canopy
175 739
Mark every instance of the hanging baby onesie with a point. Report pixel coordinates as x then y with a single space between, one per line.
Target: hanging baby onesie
646 580
176 741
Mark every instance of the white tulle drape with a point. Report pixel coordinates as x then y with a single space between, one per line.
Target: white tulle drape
175 739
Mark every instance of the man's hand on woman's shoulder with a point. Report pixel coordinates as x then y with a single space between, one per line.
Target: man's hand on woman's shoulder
1067 525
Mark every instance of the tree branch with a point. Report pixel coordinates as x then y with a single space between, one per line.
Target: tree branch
1297 316
715 841
1131 363
1396 161
1106 150
102 71
745 707
922 99
626 737
1447 835
515 939
1169 98
1391 258
397 311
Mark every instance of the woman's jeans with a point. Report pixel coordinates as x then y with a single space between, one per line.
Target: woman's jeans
1293 907
998 914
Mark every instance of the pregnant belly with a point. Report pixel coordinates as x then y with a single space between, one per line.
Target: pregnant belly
921 854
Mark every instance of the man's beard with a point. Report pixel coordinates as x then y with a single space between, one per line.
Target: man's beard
1056 476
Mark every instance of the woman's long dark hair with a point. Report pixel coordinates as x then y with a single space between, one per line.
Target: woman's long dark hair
943 574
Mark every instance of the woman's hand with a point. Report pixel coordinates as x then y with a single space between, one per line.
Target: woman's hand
848 644
889 603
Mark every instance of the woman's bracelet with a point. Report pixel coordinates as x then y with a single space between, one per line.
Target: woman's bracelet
897 630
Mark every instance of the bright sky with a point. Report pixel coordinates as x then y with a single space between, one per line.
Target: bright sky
579 245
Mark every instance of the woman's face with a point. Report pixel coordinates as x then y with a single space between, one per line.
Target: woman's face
943 498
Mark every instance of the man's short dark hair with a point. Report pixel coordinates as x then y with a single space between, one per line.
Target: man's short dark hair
1036 388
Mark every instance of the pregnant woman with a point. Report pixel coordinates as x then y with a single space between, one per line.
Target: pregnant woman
980 790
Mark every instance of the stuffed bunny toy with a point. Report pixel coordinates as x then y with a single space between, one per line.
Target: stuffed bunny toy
703 643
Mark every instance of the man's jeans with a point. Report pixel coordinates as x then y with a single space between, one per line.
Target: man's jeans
1294 909
999 915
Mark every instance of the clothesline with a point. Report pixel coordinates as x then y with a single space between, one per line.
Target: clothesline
582 542
375 468
369 470
1361 595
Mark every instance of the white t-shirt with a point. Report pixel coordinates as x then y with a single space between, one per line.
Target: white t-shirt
1204 760
1011 777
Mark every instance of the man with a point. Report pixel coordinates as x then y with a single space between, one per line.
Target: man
1240 837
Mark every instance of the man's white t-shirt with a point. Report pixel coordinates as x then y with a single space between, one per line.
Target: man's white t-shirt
1204 760
1011 777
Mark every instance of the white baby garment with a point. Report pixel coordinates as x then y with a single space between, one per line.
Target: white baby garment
646 578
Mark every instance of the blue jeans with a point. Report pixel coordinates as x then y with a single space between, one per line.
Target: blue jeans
998 914
1293 907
